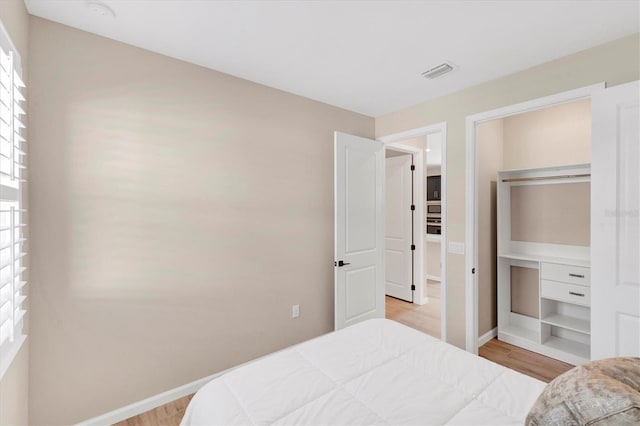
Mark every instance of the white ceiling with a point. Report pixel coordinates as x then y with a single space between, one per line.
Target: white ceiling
364 56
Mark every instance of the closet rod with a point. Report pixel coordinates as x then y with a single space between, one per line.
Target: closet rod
527 179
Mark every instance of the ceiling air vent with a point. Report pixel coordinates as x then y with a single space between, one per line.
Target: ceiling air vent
437 71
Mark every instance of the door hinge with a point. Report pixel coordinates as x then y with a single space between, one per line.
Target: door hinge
413 246
413 287
413 167
473 270
413 206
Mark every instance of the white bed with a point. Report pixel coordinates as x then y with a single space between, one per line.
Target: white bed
375 372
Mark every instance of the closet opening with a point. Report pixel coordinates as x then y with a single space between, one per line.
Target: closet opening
528 232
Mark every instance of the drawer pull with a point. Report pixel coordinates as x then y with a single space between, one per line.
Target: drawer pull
576 275
573 293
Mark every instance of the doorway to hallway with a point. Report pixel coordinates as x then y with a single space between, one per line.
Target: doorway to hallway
425 318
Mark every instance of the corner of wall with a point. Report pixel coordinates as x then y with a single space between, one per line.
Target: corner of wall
14 386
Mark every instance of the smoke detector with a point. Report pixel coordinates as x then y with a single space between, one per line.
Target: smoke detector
100 8
438 70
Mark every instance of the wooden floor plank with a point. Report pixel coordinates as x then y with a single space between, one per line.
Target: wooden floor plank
169 414
425 318
526 362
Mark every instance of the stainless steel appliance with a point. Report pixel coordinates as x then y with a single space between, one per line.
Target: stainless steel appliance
434 226
434 218
434 184
433 208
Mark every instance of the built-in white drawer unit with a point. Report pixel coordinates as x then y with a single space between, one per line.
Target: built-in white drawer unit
544 278
565 292
565 273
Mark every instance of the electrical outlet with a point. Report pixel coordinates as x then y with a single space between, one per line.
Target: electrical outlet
295 311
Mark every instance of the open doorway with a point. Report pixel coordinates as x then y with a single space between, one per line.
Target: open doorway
421 301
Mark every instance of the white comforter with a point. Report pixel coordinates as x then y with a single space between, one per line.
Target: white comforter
375 372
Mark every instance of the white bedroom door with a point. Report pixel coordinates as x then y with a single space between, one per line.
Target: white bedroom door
398 229
615 222
359 215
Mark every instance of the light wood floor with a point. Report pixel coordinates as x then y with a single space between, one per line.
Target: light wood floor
526 362
425 318
169 414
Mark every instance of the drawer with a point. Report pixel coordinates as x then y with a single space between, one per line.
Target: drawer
565 273
577 294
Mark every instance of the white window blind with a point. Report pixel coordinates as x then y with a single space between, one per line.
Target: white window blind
12 214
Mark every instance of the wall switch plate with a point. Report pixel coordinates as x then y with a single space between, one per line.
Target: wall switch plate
456 248
295 311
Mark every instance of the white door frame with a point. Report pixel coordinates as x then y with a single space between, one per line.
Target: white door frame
471 196
392 140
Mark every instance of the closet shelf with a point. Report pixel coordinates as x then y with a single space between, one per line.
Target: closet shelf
570 323
579 349
521 332
585 263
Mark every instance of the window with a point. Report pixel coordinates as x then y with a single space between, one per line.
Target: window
12 214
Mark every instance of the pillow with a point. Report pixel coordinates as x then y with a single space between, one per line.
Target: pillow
604 392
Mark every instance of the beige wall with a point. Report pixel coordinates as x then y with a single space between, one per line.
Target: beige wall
490 161
14 385
432 259
14 390
525 294
390 153
553 214
615 63
178 213
420 142
547 137
433 170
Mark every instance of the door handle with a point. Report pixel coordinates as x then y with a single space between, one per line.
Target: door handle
341 263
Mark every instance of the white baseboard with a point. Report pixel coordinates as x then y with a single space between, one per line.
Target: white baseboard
150 403
155 401
433 277
487 336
